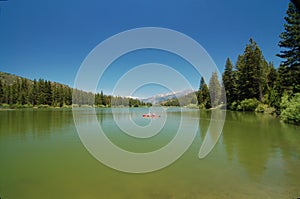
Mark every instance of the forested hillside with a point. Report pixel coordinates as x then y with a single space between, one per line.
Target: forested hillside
17 92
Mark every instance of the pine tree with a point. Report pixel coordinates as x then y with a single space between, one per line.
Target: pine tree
6 96
229 81
68 96
199 93
48 93
41 92
251 72
290 40
23 92
61 96
203 95
14 92
206 96
214 89
102 100
33 93
272 76
272 87
1 92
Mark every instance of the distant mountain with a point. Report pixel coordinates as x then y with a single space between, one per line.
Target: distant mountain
157 99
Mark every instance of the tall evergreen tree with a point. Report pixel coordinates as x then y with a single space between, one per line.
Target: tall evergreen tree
6 97
272 87
48 93
1 92
229 81
68 96
102 100
272 76
290 41
206 96
290 38
250 72
34 93
203 95
41 92
14 92
214 89
199 93
61 95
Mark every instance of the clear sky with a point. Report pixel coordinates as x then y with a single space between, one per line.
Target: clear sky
49 39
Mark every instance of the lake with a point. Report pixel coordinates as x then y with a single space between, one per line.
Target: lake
42 156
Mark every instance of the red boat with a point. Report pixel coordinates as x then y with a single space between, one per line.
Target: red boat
151 115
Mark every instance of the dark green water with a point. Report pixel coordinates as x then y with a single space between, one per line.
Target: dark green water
41 156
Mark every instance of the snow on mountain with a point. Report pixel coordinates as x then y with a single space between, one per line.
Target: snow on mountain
156 99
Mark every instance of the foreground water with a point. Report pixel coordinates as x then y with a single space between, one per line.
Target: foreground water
41 156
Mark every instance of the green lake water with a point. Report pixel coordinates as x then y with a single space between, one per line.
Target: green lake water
42 156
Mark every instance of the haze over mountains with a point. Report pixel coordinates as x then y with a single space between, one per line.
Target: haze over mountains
157 99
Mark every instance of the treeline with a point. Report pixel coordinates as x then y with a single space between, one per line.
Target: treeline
17 92
252 81
253 84
211 95
22 92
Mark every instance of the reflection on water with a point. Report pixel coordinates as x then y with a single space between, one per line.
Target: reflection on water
32 121
257 156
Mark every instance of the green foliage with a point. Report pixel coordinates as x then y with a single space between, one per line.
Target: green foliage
1 91
203 95
261 108
289 79
249 104
234 105
192 106
290 38
264 108
120 101
291 109
5 106
289 71
251 76
228 79
214 89
20 92
284 101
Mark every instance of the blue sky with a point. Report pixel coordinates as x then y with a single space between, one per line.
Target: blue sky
50 39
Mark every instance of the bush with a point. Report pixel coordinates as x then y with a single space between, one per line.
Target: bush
202 106
261 108
43 106
249 104
4 106
264 108
270 110
233 105
290 109
192 106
